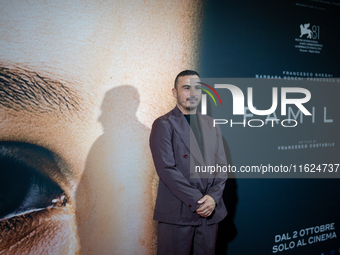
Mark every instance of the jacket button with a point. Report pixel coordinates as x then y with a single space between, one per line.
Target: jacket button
192 174
189 205
185 156
215 154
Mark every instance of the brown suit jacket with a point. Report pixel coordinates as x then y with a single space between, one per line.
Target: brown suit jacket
174 150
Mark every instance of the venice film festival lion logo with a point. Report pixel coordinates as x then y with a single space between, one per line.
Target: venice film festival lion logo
313 33
304 30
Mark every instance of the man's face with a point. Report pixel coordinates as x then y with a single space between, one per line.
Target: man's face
60 63
188 93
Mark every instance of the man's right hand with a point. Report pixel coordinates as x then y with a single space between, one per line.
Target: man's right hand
207 206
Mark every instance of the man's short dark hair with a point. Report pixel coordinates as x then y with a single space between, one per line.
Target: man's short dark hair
184 73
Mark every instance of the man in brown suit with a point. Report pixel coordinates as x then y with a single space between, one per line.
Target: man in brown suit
189 203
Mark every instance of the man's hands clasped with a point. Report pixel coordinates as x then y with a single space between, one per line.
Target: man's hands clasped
207 206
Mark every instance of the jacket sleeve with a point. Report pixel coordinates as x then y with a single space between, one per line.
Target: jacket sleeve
164 159
216 190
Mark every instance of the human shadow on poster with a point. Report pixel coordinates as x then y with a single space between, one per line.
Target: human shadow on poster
115 194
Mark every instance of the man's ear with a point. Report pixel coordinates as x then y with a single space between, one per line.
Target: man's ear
174 92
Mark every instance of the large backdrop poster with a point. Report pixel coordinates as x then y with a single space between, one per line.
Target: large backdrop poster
282 44
81 83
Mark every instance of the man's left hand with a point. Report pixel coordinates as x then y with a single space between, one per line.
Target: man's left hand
207 206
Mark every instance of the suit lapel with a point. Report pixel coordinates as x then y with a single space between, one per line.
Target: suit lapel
184 131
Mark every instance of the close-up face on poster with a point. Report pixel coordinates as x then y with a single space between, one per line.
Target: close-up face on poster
169 127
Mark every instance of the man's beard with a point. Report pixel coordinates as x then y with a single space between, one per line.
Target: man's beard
191 107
